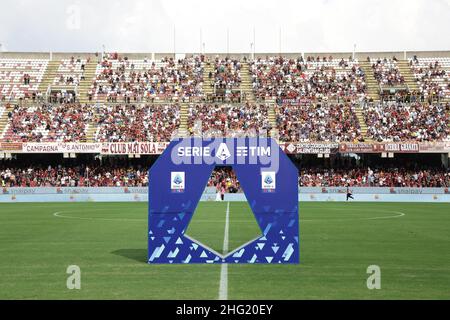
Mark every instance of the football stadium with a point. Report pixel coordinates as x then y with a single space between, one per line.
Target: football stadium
368 133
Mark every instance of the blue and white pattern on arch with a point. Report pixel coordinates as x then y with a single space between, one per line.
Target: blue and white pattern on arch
276 212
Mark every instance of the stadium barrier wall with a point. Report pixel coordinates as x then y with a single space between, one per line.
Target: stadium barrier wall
137 194
234 55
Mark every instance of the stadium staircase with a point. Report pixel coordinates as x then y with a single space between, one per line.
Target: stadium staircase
183 129
85 84
90 132
447 100
271 116
92 127
406 72
4 120
49 75
362 123
373 89
208 83
246 83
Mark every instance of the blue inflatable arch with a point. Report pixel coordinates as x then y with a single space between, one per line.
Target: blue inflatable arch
270 183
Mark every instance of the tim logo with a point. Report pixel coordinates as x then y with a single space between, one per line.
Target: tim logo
177 181
222 152
268 182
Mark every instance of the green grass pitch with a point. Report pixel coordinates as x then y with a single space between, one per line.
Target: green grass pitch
410 242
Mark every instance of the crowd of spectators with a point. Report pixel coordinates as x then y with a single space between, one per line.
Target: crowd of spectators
73 176
118 123
374 177
26 79
386 72
222 120
312 79
46 122
68 122
62 96
227 73
223 178
398 121
317 122
67 80
122 79
97 176
304 122
432 79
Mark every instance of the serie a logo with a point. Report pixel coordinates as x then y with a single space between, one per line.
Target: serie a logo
177 181
268 183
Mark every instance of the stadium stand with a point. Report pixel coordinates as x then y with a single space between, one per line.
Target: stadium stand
296 98
209 120
223 79
432 76
40 123
397 121
227 73
119 79
20 78
117 123
386 72
311 78
298 84
318 122
70 72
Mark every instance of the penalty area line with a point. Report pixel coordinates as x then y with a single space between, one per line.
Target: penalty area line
223 287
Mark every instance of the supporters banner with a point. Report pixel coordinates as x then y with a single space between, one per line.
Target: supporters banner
134 147
362 147
11 146
399 147
403 147
358 148
310 148
61 147
295 102
434 147
154 148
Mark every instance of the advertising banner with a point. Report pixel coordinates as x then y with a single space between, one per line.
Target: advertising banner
134 147
61 147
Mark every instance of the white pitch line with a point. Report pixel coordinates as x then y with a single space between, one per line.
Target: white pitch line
58 214
223 288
